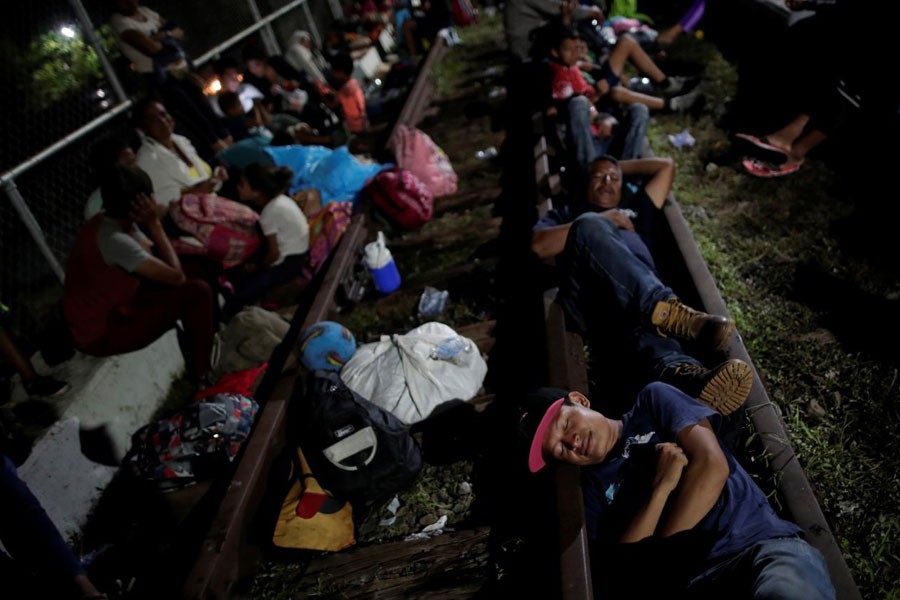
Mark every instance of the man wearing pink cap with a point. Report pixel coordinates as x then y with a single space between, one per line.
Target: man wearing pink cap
664 497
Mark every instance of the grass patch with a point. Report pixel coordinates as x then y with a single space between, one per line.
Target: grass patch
838 404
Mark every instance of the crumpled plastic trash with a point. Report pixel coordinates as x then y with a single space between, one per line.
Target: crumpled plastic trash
392 507
436 528
681 139
432 302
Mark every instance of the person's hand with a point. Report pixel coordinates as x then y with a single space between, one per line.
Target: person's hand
596 13
618 218
143 210
670 464
220 173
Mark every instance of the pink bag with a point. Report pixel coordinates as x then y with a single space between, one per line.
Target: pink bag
418 153
402 197
222 230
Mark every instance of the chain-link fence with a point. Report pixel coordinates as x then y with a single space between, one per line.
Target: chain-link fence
55 84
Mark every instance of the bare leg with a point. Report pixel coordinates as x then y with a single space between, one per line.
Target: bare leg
668 37
623 95
804 144
628 49
785 137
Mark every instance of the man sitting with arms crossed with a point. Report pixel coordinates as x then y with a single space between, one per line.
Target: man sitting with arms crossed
610 288
662 495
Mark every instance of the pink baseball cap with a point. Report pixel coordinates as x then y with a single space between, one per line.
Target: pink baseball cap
536 460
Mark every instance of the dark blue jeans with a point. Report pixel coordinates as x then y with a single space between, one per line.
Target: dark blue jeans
28 533
609 279
626 143
773 569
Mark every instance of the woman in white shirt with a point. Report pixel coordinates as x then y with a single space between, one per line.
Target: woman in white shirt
174 166
286 235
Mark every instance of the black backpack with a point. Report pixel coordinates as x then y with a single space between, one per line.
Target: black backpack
355 448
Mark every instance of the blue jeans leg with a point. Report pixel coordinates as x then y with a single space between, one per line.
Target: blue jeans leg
598 268
657 352
777 569
28 533
630 140
579 123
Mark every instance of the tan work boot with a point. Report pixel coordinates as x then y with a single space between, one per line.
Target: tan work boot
671 317
724 388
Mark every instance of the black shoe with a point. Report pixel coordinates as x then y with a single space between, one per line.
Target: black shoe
46 387
724 388
671 317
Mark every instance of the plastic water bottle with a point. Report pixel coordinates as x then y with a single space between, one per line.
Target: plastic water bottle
452 350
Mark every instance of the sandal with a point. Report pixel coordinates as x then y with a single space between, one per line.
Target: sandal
761 148
759 168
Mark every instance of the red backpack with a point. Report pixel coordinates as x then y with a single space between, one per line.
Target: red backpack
402 197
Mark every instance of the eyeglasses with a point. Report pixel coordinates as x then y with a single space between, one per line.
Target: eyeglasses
606 176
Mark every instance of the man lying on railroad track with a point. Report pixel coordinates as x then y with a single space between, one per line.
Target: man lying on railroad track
668 508
610 287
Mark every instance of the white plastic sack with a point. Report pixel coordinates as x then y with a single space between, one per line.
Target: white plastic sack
410 375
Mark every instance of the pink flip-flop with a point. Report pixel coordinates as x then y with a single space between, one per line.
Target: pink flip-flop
758 168
761 148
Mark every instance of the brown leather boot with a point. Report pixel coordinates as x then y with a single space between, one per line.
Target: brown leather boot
724 388
671 317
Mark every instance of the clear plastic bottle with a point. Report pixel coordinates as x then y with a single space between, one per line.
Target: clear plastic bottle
454 349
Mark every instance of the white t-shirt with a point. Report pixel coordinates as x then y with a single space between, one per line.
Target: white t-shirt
167 171
119 23
247 93
283 218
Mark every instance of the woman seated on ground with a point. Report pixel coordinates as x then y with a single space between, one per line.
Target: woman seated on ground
286 231
124 289
169 159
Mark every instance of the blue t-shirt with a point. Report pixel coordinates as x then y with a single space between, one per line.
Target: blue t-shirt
616 488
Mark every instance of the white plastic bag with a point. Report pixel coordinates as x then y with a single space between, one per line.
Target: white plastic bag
410 375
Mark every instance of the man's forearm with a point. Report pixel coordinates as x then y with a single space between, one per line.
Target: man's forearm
644 523
700 487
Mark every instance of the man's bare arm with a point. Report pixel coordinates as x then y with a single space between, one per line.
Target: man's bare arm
549 242
702 481
661 172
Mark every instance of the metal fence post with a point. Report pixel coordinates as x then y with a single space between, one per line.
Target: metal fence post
312 24
34 228
268 36
337 12
91 35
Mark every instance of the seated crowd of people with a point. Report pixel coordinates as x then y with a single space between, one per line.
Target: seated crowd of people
660 488
136 271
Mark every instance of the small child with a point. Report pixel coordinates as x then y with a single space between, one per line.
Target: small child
569 81
286 235
242 125
349 94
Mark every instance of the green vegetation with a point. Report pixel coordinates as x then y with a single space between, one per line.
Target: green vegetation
55 66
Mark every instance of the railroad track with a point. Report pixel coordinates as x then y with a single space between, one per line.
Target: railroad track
461 563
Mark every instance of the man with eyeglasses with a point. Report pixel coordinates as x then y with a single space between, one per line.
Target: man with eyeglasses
610 289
